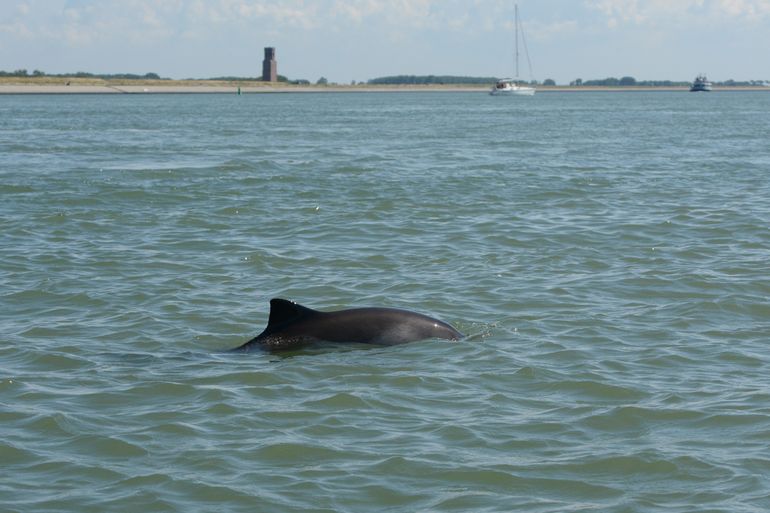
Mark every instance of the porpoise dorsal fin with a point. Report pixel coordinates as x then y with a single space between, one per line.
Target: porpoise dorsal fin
283 311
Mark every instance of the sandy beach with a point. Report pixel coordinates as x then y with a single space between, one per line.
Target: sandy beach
220 87
51 85
197 89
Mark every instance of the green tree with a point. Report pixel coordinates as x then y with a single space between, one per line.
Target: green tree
549 82
628 81
322 81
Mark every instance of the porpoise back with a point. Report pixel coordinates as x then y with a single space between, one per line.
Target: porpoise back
291 326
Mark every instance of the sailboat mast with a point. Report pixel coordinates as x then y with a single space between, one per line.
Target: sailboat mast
516 28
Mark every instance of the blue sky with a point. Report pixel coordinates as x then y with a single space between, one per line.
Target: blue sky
346 40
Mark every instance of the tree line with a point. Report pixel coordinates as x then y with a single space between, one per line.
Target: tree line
82 74
626 81
631 81
131 76
429 80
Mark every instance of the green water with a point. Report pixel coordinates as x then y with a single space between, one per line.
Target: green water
607 253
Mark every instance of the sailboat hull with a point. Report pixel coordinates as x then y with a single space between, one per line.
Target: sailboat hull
509 89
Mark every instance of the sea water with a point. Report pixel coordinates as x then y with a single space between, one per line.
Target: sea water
607 254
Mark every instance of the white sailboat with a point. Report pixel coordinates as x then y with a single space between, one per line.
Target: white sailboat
509 86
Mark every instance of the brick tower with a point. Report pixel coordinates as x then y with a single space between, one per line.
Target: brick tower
270 66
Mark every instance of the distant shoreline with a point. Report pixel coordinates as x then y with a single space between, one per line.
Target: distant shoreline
99 86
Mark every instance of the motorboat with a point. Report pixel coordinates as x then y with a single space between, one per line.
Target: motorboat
701 84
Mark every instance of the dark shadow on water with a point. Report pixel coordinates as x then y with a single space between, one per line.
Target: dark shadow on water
321 348
315 349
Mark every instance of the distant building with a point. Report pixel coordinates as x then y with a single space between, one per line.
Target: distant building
270 66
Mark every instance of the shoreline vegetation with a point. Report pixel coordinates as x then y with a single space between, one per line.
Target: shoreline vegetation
61 84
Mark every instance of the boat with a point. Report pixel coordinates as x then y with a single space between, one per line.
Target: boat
511 86
701 84
506 86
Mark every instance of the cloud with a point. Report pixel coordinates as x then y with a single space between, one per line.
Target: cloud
687 12
619 12
16 30
281 13
96 20
752 10
545 31
79 22
82 22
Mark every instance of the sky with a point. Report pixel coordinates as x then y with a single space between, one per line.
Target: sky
356 40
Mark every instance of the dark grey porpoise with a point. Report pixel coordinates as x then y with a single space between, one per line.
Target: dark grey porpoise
291 326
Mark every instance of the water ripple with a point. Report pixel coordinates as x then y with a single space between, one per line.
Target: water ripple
609 264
